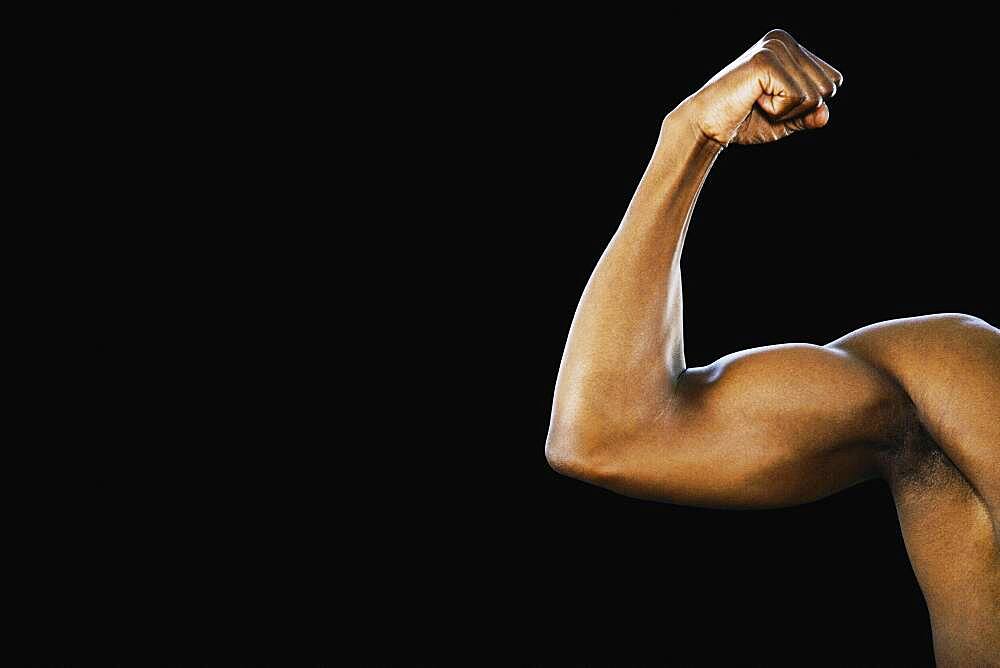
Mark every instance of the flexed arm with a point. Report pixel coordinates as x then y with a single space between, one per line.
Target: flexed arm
763 427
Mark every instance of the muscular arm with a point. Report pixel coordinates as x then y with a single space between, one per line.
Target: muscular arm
763 427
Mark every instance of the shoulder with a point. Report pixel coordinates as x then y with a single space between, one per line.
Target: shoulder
925 354
948 365
896 340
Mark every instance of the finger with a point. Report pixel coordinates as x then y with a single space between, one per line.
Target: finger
811 121
835 76
779 92
812 93
827 87
824 75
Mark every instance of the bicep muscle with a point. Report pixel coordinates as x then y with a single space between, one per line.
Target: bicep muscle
766 427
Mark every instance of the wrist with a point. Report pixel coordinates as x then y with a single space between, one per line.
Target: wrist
681 160
684 122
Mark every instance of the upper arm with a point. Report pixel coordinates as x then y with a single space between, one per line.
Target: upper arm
765 427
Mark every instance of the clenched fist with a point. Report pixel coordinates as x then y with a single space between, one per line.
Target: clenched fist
774 89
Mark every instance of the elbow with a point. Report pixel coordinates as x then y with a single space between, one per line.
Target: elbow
561 454
578 454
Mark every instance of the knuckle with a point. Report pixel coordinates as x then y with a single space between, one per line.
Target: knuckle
763 56
834 75
778 33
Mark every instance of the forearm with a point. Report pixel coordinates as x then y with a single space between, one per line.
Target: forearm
618 419
625 347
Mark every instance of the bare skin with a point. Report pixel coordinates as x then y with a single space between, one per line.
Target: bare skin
914 401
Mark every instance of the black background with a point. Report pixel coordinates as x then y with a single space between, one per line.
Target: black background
216 482
885 213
